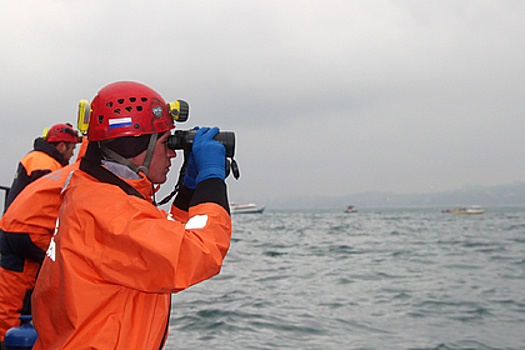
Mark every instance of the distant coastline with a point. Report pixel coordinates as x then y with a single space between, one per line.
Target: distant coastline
503 195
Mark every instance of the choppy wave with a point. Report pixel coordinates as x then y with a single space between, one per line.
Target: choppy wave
378 279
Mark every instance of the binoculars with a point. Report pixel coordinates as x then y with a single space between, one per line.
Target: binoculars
183 140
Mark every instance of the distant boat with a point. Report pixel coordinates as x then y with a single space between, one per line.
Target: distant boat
350 209
473 209
247 208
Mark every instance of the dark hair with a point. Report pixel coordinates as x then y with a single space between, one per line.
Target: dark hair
128 146
56 143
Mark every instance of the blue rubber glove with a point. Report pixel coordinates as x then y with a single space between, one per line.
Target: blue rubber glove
209 155
190 176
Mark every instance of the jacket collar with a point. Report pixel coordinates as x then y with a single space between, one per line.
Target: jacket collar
138 181
43 146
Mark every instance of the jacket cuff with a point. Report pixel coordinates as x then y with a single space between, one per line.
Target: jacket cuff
211 190
183 198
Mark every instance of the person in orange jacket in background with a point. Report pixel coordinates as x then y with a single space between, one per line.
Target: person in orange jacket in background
26 230
50 152
115 259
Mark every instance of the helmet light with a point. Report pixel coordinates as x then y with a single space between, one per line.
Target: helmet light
84 112
179 110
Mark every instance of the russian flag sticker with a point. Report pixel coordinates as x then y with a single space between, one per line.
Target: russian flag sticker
119 123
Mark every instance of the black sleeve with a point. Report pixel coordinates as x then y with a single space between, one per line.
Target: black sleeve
15 247
211 190
183 198
23 246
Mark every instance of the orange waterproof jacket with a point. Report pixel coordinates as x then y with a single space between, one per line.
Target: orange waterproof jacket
114 261
43 159
32 216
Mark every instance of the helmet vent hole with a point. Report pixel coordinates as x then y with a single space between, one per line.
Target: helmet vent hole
117 111
120 100
128 109
109 104
132 99
100 119
144 99
139 108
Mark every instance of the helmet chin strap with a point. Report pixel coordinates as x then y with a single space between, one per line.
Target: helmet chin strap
144 168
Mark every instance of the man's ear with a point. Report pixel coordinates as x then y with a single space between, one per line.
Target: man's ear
61 147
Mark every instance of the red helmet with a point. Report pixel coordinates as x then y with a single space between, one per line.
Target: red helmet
61 133
127 108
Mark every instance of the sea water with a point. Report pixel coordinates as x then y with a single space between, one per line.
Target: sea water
376 279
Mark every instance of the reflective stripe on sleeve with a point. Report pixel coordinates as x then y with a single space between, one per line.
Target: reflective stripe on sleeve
197 222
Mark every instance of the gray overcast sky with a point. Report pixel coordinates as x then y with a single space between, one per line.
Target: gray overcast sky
326 97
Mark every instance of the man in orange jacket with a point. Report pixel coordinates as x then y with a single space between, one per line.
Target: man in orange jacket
26 230
52 151
115 259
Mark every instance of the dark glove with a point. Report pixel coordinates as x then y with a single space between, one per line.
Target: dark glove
209 155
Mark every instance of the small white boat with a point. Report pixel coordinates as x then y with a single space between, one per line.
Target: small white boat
247 208
350 209
474 209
